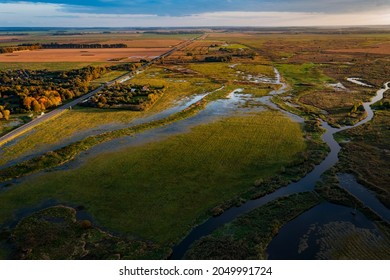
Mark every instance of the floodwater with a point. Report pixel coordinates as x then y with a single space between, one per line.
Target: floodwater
300 238
350 184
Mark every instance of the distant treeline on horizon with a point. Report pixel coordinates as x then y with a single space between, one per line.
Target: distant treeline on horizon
24 47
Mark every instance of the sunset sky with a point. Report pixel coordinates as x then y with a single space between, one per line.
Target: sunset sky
152 13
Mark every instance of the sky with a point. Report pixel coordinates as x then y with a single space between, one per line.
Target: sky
181 13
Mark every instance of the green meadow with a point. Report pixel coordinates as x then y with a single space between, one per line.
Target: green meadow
158 191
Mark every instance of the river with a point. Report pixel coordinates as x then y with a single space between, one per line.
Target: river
302 238
307 183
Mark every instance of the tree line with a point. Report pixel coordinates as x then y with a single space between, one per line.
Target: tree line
19 48
125 96
224 58
82 46
24 91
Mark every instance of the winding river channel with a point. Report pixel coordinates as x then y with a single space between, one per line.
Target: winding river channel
328 211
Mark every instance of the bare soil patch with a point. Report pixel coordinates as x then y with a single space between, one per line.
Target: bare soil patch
82 55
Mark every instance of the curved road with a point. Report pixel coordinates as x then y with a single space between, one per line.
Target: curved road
26 127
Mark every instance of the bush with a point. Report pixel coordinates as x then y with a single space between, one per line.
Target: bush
85 224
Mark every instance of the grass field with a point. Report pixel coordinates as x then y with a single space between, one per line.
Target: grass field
107 77
159 190
234 46
256 69
174 81
304 74
218 70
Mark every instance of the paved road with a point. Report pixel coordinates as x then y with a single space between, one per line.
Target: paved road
26 127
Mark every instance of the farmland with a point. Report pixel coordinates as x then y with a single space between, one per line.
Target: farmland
140 46
77 55
54 66
191 136
132 39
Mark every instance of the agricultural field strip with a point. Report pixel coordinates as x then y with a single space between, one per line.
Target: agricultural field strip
81 55
22 129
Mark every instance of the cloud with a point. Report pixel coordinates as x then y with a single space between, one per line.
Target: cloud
183 8
59 15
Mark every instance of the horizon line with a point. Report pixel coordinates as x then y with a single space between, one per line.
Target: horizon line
203 27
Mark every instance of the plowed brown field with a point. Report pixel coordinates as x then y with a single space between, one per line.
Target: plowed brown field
82 55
